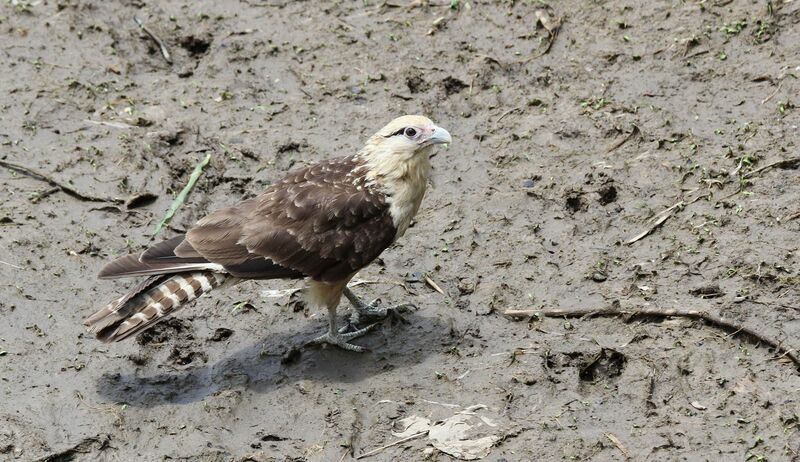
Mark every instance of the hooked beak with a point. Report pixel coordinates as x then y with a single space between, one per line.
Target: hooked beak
439 136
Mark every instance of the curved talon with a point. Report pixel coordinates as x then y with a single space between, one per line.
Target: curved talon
340 339
349 326
388 311
372 311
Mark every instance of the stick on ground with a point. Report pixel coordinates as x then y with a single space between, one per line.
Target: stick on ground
181 197
665 214
29 172
777 163
611 437
161 46
382 448
634 133
714 320
552 25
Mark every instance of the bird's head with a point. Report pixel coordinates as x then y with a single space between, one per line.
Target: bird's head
404 144
409 135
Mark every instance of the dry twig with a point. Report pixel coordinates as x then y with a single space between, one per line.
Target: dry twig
401 441
660 219
698 53
714 320
510 111
634 132
772 95
161 46
777 163
10 264
434 285
791 217
611 437
109 124
67 189
663 216
552 26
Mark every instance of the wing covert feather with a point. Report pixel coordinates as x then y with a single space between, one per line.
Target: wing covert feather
323 221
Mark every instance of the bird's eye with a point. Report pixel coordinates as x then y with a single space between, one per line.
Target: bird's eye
410 132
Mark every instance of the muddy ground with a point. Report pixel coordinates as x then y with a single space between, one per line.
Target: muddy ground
567 141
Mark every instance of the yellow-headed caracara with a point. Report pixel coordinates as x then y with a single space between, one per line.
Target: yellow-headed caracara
323 222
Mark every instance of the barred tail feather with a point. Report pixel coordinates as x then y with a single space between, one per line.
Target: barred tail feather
155 299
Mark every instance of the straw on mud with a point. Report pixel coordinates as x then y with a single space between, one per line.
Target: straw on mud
792 217
401 441
634 132
552 25
11 265
29 172
778 163
611 437
772 95
725 324
508 112
665 214
434 285
161 46
109 124
179 200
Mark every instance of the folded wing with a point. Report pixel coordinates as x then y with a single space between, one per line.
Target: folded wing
322 221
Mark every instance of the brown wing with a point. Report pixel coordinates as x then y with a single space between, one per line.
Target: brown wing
322 221
158 259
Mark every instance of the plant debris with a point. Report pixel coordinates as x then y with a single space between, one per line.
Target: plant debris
722 323
58 185
162 47
466 435
181 197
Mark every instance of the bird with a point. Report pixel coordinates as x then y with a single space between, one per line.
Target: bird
322 223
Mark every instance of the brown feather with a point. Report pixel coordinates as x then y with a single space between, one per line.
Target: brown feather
150 302
164 252
119 308
216 237
131 265
324 221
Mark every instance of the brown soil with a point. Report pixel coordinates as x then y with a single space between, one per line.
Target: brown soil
561 155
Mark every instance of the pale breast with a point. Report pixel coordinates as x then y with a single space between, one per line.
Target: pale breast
404 195
403 206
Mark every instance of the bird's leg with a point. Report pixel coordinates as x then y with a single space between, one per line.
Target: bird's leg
371 310
340 339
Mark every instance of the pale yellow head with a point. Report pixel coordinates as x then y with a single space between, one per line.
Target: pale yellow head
408 135
401 148
397 161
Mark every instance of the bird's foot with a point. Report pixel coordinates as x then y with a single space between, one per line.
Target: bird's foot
341 339
374 312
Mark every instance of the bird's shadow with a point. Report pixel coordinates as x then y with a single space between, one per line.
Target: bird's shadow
250 368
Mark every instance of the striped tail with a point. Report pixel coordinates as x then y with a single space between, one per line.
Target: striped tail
152 301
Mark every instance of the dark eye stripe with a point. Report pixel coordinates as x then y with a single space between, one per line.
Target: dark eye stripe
398 132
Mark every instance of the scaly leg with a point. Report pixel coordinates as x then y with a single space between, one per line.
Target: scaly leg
371 310
338 338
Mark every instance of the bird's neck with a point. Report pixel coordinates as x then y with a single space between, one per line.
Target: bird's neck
403 180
